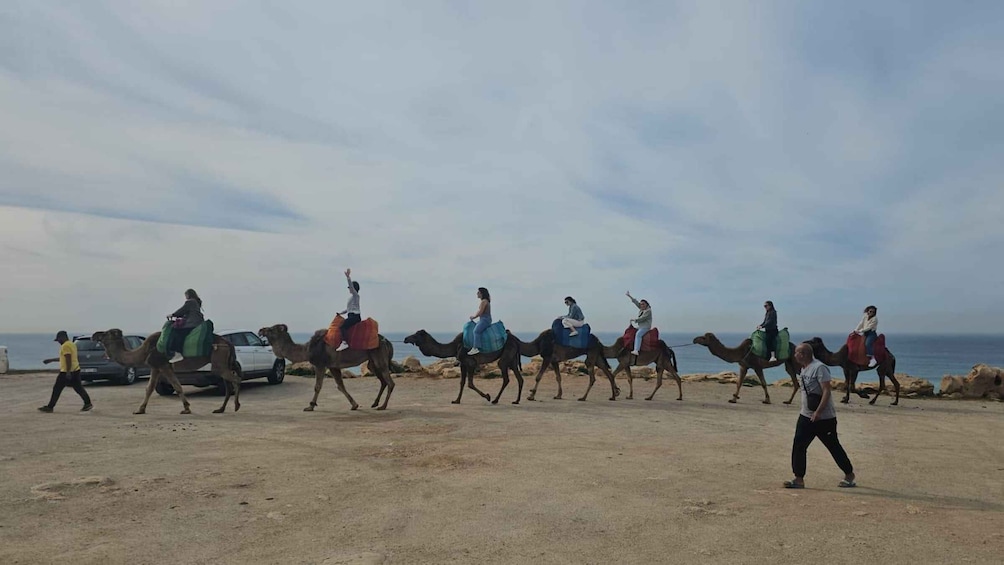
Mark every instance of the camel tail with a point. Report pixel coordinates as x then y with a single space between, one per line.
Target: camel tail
317 349
519 358
672 356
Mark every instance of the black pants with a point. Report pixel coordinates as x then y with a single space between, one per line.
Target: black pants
177 341
770 341
826 430
72 379
350 320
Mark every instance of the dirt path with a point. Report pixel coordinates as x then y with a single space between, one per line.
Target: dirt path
563 481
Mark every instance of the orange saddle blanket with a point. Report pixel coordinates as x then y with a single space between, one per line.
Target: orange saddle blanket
650 342
364 335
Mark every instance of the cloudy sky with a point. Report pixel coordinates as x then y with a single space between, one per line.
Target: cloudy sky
705 155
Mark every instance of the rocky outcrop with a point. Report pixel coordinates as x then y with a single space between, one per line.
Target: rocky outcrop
983 381
411 364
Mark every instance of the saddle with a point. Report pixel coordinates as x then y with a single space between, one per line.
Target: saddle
857 354
364 335
782 346
649 342
198 342
561 335
492 339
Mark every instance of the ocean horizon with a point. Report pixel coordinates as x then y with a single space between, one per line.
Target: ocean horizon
925 356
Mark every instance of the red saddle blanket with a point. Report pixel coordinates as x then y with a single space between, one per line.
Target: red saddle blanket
650 342
364 335
856 349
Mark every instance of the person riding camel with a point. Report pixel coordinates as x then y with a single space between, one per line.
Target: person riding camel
868 327
351 312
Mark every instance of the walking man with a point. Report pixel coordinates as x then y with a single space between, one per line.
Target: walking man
69 373
818 418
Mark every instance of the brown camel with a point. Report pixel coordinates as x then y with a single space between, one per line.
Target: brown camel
884 369
744 356
664 359
553 353
508 359
223 360
323 356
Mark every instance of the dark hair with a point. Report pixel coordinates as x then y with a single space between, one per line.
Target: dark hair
570 299
191 294
871 308
484 293
769 303
355 285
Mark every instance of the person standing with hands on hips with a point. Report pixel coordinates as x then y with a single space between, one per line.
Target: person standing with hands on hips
69 373
817 418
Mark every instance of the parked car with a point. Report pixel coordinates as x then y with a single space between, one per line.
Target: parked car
96 366
254 355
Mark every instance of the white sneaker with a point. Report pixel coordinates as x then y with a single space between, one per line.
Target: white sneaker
572 333
872 362
773 357
473 351
342 347
635 353
176 357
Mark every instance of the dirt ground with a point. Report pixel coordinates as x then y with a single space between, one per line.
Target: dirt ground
553 481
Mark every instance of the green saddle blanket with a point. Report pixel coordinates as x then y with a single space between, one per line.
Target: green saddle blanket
198 342
782 346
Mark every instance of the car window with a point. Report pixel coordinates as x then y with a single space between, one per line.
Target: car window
87 344
252 339
236 340
134 342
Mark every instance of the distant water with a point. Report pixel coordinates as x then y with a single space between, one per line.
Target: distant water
924 356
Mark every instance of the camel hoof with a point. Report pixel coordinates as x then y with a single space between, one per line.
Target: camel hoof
454 402
895 403
649 398
218 411
143 412
374 405
186 411
531 399
382 408
557 397
767 401
495 401
515 402
311 409
845 401
681 398
237 407
630 397
732 401
872 403
785 402
583 399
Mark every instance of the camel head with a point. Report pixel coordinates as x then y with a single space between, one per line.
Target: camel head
417 337
705 339
113 335
274 332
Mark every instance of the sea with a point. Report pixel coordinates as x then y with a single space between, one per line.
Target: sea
928 357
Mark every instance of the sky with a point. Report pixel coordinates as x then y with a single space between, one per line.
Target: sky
706 156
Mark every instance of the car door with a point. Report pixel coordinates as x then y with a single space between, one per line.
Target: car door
262 357
245 355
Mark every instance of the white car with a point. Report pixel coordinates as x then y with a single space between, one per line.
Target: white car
254 355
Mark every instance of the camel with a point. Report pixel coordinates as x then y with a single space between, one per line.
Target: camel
553 353
884 369
664 359
323 356
223 360
508 359
744 356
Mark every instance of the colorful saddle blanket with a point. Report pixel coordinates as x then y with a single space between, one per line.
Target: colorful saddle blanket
580 341
364 335
783 346
857 354
650 341
198 342
491 340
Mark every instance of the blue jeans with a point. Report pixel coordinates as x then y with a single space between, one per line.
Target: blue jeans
870 337
482 325
637 338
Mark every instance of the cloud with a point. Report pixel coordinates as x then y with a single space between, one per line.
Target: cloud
706 156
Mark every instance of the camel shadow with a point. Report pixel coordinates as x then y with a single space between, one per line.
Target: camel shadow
945 502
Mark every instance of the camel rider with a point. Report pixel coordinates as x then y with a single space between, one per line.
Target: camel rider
186 319
769 327
868 327
351 312
643 322
575 318
484 318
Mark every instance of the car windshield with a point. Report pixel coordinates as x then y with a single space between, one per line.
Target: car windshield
89 345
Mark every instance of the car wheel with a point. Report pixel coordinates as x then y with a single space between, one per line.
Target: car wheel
165 388
278 372
128 376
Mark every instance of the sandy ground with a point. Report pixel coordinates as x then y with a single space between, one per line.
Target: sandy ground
697 481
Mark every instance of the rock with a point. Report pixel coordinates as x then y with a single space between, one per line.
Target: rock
908 386
950 385
983 381
277 516
450 373
411 363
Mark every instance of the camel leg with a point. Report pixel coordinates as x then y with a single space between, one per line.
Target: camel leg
340 383
763 383
463 380
739 385
227 387
150 387
794 387
630 378
557 375
505 383
176 385
390 387
592 379
895 385
679 384
519 383
614 391
849 377
536 382
470 385
383 383
658 382
881 387
319 382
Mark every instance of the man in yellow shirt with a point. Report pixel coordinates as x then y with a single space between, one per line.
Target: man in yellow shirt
69 373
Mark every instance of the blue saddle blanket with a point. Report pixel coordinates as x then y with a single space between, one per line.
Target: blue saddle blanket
492 340
580 341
